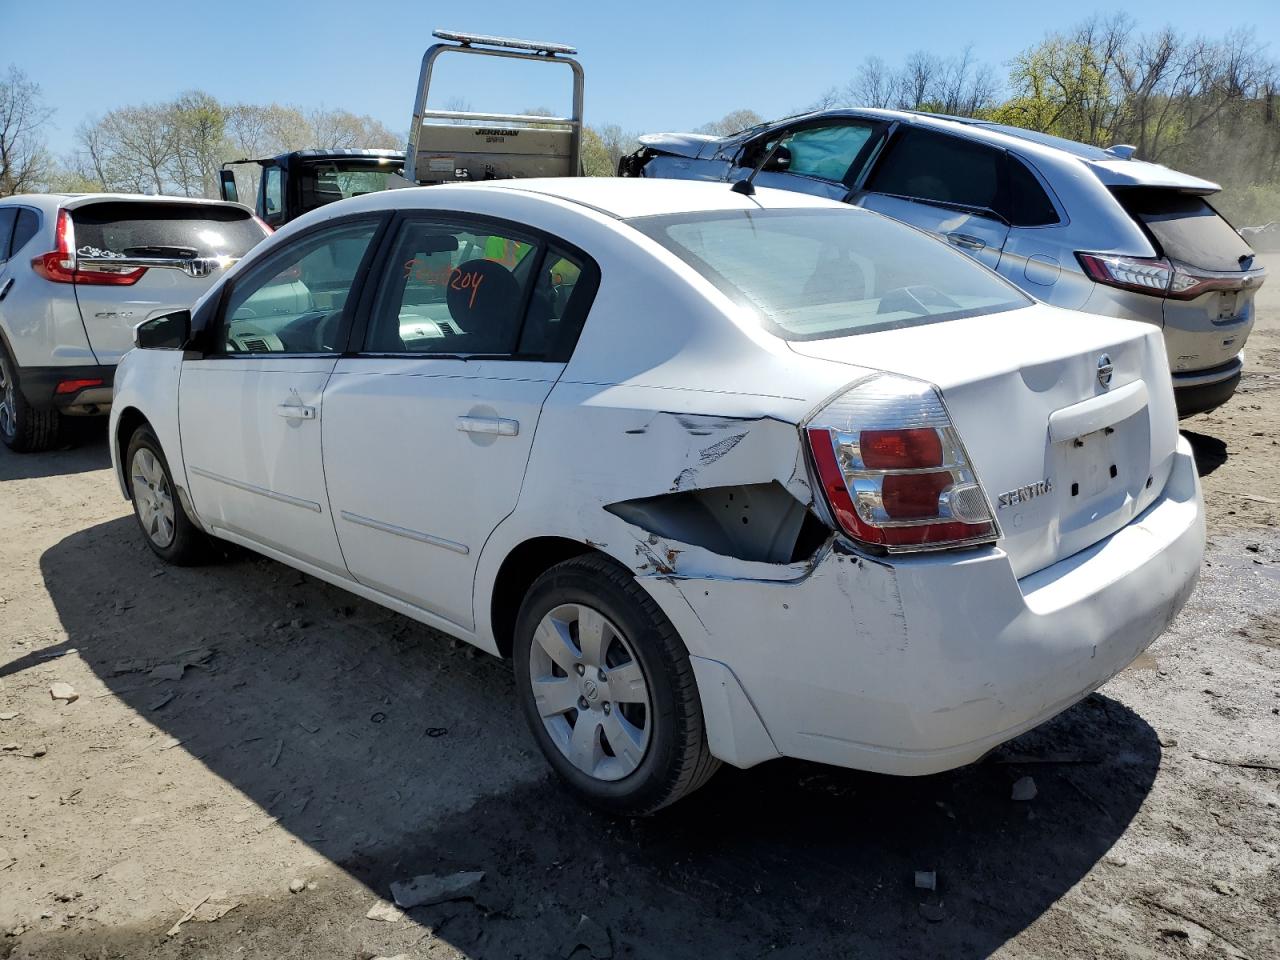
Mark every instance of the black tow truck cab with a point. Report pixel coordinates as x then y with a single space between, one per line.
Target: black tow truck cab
286 186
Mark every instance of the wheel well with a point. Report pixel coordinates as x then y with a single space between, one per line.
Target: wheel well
522 566
129 421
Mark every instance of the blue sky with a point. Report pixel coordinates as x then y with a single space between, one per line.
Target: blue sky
650 66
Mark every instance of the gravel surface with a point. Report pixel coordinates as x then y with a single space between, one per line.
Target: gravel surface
249 758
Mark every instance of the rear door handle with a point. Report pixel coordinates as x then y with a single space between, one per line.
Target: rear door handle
4 290
493 425
966 241
295 411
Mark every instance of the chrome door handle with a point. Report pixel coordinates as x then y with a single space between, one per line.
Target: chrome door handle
966 241
492 425
295 411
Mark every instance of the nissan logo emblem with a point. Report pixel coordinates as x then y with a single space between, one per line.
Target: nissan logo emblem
1105 369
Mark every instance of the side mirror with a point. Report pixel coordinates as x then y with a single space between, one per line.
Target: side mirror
227 186
780 162
172 331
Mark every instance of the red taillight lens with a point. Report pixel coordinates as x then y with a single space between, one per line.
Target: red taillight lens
60 266
907 487
887 449
75 386
913 496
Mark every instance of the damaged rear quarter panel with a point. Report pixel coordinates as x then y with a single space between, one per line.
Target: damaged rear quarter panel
598 445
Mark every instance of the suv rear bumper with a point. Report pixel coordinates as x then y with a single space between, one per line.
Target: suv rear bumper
921 664
1200 391
40 386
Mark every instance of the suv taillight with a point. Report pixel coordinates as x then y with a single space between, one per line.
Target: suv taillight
60 265
1157 277
894 470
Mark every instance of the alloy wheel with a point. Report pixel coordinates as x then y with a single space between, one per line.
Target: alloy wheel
590 692
153 497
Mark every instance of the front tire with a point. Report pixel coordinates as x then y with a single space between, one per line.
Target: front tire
607 689
23 428
169 532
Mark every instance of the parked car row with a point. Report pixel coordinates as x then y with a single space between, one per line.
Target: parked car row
1071 224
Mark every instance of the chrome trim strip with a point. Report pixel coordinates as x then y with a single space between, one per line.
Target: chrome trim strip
405 532
260 491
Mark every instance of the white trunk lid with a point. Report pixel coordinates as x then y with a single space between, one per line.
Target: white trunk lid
1063 458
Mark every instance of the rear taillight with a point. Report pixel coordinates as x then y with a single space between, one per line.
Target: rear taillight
1143 274
266 227
60 265
1155 276
894 470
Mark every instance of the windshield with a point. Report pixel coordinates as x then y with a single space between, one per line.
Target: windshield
814 274
323 183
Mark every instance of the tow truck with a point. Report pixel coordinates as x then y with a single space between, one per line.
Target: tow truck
445 146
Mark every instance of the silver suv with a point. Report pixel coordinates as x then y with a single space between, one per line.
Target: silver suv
1073 225
77 273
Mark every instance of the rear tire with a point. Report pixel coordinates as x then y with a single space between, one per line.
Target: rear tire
169 532
23 428
645 743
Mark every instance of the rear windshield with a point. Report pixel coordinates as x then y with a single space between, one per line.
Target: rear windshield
814 274
1186 228
164 230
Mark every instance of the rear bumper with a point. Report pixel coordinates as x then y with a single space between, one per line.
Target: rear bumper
40 386
923 664
1203 390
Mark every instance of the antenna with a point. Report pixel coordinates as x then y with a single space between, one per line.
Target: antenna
746 187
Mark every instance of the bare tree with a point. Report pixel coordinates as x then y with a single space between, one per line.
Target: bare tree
24 161
874 85
731 122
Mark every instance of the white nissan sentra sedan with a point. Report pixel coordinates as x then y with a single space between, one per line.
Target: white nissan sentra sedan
728 477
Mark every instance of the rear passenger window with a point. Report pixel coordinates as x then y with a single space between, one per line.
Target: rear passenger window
924 165
557 308
7 217
25 228
454 289
1030 206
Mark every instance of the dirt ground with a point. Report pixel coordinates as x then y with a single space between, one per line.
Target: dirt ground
239 727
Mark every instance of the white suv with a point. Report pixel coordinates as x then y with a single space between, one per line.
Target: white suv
728 477
77 274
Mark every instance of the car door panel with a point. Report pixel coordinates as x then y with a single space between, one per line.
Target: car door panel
953 187
415 499
251 442
250 411
428 430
